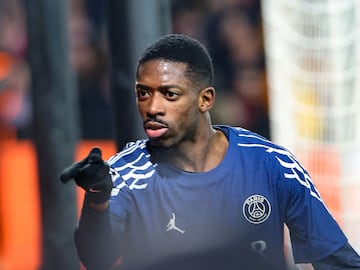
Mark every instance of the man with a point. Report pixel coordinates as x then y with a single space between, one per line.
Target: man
194 195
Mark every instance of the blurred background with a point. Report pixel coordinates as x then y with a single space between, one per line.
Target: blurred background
231 29
284 70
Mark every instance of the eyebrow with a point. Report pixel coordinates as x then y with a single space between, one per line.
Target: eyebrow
139 85
161 88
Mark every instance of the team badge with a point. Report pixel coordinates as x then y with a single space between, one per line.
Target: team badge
256 209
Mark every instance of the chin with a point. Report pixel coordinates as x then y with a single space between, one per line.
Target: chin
160 144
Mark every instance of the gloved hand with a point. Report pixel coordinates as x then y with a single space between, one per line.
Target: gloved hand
92 174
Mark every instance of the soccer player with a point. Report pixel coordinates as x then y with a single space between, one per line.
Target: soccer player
197 196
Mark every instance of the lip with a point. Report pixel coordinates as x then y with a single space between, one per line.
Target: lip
154 129
154 125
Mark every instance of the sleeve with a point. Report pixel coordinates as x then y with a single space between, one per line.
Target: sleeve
314 232
343 258
95 239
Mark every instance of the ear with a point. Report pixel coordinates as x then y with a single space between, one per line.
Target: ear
206 99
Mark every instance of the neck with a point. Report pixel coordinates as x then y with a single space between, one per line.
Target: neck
200 155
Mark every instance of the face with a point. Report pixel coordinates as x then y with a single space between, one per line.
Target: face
167 102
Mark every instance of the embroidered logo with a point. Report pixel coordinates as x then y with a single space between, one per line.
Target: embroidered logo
172 226
256 209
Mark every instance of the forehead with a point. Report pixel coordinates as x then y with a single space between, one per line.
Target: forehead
163 70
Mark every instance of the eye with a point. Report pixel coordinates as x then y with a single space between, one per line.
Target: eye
171 95
142 94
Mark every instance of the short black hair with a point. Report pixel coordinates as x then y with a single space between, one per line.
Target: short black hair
184 49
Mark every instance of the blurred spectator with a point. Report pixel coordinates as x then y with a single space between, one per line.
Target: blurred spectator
233 34
96 10
241 37
189 18
90 62
15 105
250 92
12 28
95 107
234 39
245 104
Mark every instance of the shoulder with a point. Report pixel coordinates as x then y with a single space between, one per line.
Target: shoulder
132 167
276 158
130 153
247 140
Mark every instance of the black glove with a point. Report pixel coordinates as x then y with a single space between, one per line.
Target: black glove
92 174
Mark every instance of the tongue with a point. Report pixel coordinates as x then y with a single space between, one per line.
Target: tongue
153 133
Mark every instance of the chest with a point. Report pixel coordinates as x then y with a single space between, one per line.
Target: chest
206 210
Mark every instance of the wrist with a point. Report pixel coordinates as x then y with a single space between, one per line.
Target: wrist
98 197
100 207
94 203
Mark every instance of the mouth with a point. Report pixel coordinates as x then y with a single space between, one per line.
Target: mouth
154 129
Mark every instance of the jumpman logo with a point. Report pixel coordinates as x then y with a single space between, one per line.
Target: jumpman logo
171 225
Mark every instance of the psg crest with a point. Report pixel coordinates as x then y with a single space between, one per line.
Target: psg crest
256 209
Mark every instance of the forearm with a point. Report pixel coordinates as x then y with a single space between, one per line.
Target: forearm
344 258
95 242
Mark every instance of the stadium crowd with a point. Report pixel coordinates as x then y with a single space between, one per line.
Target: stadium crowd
231 30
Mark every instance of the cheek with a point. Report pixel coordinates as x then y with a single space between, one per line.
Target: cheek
141 108
186 117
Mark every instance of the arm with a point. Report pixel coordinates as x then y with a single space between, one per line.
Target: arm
96 244
343 258
94 237
314 232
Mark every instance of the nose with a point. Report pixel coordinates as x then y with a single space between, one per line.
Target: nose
156 104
